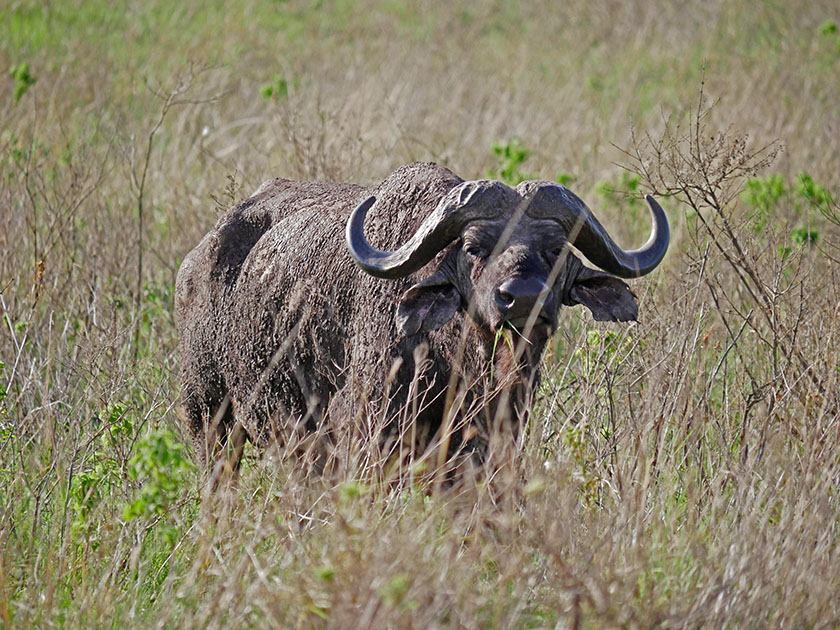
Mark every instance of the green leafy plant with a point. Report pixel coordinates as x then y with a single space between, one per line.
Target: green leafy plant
763 194
324 572
276 89
813 193
623 193
602 346
770 194
88 489
564 179
395 591
804 237
100 474
23 79
511 156
583 473
828 29
161 465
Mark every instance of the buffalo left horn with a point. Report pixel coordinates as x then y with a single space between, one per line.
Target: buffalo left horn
466 202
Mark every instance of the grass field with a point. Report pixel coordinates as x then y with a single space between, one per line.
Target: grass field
682 472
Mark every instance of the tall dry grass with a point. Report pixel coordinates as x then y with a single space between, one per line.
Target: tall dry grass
680 472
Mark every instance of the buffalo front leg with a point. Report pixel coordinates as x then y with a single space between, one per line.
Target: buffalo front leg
218 440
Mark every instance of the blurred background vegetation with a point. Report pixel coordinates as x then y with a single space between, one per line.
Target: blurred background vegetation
681 472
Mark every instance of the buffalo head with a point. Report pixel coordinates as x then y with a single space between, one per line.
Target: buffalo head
510 265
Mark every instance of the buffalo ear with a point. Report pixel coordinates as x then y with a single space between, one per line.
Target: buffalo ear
609 298
427 305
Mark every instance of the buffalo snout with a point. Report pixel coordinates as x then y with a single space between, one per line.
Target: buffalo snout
519 297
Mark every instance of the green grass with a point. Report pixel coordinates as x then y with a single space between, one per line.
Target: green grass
680 472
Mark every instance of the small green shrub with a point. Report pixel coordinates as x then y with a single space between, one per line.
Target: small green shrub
276 89
804 237
395 591
87 491
828 29
161 464
584 475
511 156
621 194
812 192
325 572
763 194
23 79
771 195
564 179
100 474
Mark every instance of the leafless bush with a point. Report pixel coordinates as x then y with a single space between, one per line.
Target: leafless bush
764 289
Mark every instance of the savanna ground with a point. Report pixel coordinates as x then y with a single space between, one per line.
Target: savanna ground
680 472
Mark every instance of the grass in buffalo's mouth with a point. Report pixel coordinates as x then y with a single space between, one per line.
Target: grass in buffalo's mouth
520 326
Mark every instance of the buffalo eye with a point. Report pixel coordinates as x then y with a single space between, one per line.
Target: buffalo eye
553 253
474 249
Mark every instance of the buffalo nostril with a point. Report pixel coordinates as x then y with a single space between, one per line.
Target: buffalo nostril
504 299
520 296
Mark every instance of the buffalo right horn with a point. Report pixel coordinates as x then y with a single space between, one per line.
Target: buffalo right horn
591 238
595 243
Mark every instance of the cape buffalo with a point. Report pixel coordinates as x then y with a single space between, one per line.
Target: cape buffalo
292 321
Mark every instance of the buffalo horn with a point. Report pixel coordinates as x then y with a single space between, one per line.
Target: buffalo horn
467 202
587 234
595 243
